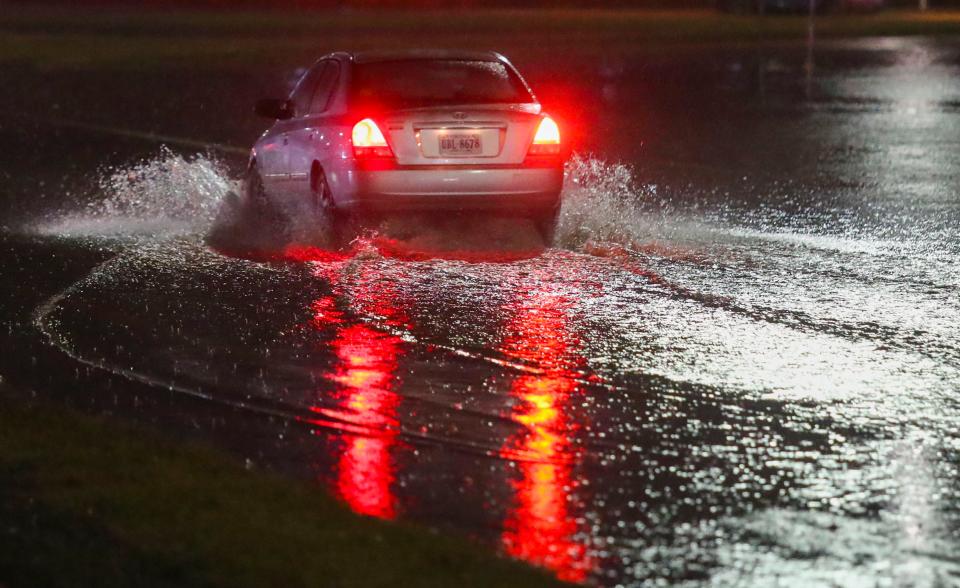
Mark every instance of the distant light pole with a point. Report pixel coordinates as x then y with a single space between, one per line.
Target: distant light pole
924 4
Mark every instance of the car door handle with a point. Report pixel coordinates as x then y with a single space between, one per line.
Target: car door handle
285 140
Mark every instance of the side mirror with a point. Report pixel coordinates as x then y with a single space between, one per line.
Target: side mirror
274 108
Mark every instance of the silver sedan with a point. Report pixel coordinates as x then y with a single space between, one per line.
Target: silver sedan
365 134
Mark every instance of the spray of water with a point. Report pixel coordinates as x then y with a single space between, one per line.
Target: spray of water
602 203
165 195
167 186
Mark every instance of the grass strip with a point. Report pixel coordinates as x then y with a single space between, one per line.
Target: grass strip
64 38
89 502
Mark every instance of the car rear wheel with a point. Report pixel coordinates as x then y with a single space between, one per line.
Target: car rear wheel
337 226
254 192
546 224
322 198
260 205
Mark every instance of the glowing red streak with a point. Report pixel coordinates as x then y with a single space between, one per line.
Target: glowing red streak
366 471
541 528
367 360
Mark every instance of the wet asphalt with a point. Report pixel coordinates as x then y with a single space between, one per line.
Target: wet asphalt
739 365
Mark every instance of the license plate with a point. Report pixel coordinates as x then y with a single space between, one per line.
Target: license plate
459 145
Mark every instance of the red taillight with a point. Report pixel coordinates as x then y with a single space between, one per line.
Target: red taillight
368 141
547 139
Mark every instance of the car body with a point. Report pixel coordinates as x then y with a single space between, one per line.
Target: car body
410 131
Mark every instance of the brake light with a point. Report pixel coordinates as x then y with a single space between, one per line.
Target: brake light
546 141
368 141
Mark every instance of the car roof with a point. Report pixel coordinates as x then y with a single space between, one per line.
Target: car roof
396 55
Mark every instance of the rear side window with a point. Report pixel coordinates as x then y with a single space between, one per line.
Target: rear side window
325 87
304 92
413 83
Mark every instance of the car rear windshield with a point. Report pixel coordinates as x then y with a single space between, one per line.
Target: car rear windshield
415 83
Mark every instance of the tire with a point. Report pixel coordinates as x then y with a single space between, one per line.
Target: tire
228 223
338 227
546 224
322 199
255 194
261 209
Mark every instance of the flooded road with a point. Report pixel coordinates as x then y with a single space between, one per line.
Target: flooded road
739 366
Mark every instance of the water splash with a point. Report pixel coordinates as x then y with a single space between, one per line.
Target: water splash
165 195
166 186
602 202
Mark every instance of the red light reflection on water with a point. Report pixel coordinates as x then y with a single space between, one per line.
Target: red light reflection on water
366 367
366 471
541 527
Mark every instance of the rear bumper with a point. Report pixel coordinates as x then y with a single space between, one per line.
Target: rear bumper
506 189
